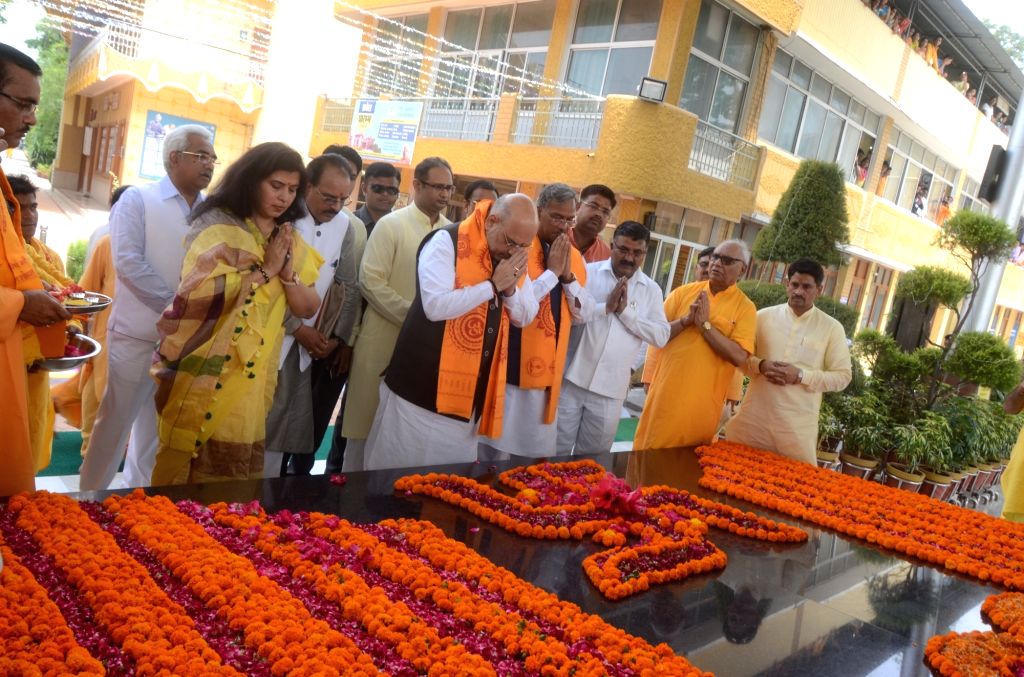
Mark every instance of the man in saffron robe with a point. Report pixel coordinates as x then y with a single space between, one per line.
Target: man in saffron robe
446 378
712 333
24 306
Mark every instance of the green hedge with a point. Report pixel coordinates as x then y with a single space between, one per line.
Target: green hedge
766 294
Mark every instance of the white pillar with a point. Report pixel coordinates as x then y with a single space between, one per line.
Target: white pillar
1008 207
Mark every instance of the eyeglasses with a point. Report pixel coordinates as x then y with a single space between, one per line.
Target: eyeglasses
559 220
604 211
512 244
705 263
390 190
627 251
441 187
726 260
26 107
331 200
202 158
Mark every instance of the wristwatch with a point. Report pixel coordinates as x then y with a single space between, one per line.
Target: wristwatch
799 376
706 326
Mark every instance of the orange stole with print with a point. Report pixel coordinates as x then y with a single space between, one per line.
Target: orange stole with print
463 340
542 354
19 274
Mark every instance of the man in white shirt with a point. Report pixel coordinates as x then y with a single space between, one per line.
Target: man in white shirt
628 312
147 232
800 353
292 434
446 377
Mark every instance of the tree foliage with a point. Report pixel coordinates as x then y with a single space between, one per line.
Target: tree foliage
927 284
765 294
41 143
811 218
1011 41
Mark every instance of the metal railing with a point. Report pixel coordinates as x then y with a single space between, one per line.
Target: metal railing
570 123
137 42
467 119
337 115
724 156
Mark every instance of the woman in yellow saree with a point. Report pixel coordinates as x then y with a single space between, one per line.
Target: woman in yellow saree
216 366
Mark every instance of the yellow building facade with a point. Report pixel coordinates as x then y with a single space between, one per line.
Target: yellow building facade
752 88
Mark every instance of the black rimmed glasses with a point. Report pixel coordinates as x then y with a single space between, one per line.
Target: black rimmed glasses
24 105
726 260
385 190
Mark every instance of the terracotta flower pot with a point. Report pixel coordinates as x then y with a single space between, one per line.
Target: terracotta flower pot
863 468
898 477
970 480
828 460
937 485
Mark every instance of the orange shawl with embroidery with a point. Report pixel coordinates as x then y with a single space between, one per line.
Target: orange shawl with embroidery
542 354
463 339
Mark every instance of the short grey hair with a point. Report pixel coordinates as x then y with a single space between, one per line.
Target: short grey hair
556 192
744 247
177 140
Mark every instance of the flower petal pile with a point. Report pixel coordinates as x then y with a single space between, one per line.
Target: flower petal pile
139 585
578 499
984 654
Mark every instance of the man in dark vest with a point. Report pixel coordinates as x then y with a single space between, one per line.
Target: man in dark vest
445 383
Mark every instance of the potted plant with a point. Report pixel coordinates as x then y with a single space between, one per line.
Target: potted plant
919 294
830 437
867 435
916 443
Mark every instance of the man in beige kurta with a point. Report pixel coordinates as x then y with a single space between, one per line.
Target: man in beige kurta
801 353
387 277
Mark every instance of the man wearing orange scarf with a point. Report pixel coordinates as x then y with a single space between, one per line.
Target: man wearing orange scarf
446 379
24 305
537 353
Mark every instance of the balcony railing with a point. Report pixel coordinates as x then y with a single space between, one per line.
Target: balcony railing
570 123
337 115
724 156
461 119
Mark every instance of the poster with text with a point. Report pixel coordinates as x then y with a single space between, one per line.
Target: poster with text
158 126
386 130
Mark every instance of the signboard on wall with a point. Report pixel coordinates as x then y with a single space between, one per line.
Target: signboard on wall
158 126
386 130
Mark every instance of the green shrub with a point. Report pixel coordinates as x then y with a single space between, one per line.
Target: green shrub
766 294
811 217
972 237
846 315
76 259
927 284
981 358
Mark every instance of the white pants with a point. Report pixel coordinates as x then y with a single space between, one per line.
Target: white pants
127 408
404 435
523 431
587 422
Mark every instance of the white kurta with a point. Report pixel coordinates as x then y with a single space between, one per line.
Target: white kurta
387 277
784 419
599 368
524 432
405 435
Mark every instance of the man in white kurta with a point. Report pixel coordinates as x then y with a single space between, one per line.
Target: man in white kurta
408 430
800 353
553 266
628 312
147 234
387 277
291 432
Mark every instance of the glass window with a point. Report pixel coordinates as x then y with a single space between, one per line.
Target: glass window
789 124
917 151
782 63
908 189
638 20
810 137
594 21
904 143
774 97
857 112
586 69
711 24
418 24
892 184
625 68
728 100
524 68
532 27
801 74
699 86
494 30
741 46
929 159
830 137
840 100
461 28
871 121
821 88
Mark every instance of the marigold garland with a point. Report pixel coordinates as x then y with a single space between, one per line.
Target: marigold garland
577 499
421 602
961 540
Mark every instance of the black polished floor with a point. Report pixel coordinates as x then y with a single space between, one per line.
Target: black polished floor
830 607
